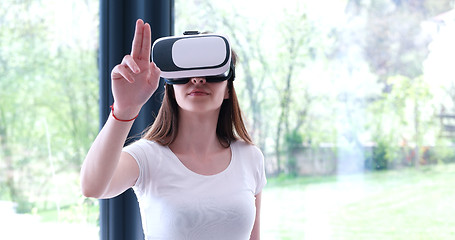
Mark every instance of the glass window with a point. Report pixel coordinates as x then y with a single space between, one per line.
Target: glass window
48 117
352 103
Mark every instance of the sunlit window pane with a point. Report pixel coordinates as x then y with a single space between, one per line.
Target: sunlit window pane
48 117
352 103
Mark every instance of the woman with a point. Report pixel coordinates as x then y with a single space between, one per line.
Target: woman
194 178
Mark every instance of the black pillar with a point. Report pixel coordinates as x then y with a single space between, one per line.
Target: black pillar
119 216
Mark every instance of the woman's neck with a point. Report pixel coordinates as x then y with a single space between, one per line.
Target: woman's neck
197 133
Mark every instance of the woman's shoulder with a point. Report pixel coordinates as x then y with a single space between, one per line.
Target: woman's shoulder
246 149
148 154
251 160
144 144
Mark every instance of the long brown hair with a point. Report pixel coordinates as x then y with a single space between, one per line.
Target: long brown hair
230 126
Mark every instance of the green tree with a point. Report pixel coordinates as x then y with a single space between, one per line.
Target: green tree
298 48
393 43
274 92
17 90
48 110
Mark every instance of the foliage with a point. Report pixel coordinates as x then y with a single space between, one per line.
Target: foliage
401 119
301 80
355 81
293 141
48 111
393 40
274 91
401 113
379 158
442 153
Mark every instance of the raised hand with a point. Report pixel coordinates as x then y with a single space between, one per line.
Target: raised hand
136 78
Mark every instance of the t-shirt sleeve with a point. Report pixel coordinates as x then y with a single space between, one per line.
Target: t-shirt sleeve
138 150
261 179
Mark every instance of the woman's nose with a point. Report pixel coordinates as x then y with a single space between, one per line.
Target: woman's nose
196 80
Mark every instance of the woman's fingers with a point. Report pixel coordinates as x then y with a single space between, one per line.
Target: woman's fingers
129 70
137 65
138 39
146 42
129 61
122 71
126 69
142 41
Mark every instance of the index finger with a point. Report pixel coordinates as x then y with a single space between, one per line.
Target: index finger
138 38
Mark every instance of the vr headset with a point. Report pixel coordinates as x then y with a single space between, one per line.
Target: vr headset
193 55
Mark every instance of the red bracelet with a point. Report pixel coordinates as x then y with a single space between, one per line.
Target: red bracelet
112 108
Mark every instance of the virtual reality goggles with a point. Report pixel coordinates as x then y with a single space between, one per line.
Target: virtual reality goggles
193 55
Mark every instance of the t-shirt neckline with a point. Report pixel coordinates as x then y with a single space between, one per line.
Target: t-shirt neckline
224 171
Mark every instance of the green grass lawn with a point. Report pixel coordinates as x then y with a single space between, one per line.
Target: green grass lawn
398 204
410 204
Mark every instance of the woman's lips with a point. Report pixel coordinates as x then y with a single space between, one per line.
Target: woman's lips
198 92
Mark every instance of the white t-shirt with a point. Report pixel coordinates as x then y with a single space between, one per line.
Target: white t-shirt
177 203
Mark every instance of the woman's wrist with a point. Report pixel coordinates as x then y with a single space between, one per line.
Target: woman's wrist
124 115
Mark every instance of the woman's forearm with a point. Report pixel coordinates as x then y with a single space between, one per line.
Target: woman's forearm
103 157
